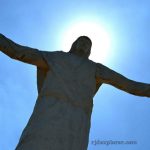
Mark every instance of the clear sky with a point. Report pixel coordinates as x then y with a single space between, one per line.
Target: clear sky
42 24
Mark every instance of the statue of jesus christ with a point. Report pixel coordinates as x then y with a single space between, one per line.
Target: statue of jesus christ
67 83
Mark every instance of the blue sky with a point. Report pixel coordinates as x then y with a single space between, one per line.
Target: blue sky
116 116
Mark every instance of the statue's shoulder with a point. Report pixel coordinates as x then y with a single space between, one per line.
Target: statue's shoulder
51 54
92 63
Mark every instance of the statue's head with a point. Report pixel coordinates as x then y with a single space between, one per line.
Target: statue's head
81 46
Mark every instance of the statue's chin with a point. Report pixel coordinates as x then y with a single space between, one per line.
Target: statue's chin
80 53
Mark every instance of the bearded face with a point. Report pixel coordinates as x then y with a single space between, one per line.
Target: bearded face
82 47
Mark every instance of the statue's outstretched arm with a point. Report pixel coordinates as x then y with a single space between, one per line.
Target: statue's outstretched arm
22 53
111 77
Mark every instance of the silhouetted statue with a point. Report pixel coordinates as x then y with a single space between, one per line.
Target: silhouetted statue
67 83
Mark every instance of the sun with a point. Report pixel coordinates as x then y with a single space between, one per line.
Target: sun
101 41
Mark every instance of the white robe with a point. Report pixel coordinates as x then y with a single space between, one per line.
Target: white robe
62 114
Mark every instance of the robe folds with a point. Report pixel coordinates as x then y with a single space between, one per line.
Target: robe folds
61 118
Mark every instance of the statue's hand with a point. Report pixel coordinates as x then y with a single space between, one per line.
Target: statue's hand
2 41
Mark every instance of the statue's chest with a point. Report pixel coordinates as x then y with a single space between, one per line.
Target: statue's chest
73 67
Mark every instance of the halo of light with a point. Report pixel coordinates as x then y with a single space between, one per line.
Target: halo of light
101 41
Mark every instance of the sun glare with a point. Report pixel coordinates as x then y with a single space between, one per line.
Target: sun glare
101 41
